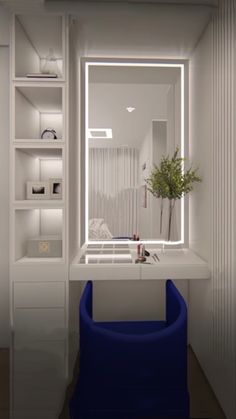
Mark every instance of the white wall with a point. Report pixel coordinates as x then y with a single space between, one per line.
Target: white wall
119 299
4 26
212 303
4 194
4 178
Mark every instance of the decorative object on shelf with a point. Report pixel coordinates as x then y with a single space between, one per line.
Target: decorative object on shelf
38 190
55 188
170 181
45 246
49 134
50 66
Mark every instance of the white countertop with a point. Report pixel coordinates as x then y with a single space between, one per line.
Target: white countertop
119 264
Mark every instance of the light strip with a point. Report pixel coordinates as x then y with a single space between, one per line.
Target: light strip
182 145
86 151
127 64
110 256
132 64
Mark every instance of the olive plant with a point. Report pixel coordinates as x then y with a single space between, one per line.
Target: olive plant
168 180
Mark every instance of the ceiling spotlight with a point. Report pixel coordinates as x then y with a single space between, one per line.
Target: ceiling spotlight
130 109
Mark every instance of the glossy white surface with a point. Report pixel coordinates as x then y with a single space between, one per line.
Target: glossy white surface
175 264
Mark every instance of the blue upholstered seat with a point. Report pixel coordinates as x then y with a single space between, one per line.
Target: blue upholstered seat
133 369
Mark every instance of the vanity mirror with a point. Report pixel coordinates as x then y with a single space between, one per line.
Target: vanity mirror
134 114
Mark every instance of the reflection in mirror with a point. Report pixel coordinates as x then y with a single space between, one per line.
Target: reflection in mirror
133 119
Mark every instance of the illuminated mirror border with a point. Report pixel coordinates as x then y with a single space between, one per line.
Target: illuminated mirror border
130 63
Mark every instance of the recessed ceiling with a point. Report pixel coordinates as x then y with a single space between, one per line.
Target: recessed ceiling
107 107
138 30
113 88
130 28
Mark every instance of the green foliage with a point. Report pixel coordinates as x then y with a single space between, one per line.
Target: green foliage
169 181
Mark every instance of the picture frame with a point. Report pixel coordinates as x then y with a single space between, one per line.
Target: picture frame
55 188
37 190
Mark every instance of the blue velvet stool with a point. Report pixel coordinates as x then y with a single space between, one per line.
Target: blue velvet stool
133 369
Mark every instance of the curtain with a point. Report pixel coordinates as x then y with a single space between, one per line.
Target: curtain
113 188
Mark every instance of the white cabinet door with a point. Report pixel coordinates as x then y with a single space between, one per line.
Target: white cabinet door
39 294
39 324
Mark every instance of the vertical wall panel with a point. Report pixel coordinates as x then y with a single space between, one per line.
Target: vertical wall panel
212 322
4 193
222 182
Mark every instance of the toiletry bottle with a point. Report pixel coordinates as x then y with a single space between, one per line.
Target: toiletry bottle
138 250
143 251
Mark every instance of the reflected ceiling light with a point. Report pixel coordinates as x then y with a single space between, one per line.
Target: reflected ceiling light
130 109
99 133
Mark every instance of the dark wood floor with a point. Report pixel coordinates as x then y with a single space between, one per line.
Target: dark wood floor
203 403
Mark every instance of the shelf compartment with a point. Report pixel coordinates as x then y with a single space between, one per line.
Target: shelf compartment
43 224
34 36
37 108
36 164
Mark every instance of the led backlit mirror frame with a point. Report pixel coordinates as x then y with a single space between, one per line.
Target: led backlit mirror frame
86 64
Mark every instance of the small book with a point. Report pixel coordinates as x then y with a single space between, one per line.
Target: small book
42 75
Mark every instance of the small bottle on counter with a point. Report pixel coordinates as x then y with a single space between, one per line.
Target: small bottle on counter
143 251
138 250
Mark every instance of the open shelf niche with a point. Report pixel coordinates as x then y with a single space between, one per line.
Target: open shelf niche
38 165
38 108
38 38
38 232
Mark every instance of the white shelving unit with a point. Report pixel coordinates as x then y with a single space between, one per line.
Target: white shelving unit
33 36
39 284
36 164
33 223
38 106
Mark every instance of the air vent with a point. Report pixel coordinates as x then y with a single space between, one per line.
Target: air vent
100 133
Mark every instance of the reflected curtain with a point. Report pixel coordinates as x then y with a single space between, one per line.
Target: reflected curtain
113 188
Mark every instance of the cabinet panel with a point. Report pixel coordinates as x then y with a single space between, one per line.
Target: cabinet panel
40 272
46 324
32 392
38 216
28 295
40 357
